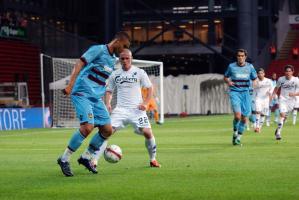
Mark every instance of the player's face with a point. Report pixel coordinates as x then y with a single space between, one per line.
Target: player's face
288 72
261 75
274 76
241 57
125 60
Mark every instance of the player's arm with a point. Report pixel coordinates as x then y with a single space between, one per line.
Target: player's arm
146 99
76 70
109 90
296 93
274 93
108 98
255 83
226 78
228 81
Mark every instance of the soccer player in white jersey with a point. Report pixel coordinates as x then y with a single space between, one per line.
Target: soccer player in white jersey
131 107
289 86
296 108
261 94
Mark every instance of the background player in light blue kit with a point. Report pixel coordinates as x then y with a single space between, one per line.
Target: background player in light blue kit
87 86
238 77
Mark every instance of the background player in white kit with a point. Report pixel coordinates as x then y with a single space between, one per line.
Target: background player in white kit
261 94
131 107
296 108
289 90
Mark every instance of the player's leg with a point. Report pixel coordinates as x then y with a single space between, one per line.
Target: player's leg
284 108
150 144
257 121
252 117
279 126
245 111
276 113
295 115
142 126
102 121
258 110
262 120
268 117
118 118
84 111
236 107
264 112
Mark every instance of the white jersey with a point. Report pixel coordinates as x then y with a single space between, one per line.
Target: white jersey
263 89
287 87
128 85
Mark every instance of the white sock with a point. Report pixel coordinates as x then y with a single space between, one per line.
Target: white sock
257 121
239 136
294 116
262 121
280 124
97 155
236 133
150 145
66 155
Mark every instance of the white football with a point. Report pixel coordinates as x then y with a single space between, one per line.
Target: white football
113 153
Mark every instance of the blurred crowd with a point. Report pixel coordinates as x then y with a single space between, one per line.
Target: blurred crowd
14 19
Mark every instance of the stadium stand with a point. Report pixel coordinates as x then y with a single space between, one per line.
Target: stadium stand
22 60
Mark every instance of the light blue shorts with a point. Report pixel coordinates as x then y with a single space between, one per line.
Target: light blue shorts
91 110
241 102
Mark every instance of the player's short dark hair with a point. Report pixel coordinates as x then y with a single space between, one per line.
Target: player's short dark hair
122 35
260 70
242 51
289 67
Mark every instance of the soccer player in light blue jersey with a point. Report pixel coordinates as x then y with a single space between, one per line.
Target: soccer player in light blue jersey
86 88
238 76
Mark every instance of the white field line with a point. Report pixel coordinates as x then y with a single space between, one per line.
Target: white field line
32 133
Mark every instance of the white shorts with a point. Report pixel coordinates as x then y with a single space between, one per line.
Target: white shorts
286 106
262 106
121 117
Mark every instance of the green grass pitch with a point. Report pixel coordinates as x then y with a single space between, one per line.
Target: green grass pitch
198 162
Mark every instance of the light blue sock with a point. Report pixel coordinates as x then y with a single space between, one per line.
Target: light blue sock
241 127
236 124
96 142
76 141
276 113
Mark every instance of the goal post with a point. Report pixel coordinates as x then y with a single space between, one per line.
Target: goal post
62 110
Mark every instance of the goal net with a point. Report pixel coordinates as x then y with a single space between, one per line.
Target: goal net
63 112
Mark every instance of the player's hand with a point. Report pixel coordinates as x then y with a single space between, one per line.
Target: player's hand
142 107
292 94
230 83
67 91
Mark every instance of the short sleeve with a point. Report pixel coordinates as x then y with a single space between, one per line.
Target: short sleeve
91 54
145 81
253 74
228 72
111 83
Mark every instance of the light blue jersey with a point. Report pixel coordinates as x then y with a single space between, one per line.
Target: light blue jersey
90 86
99 64
241 76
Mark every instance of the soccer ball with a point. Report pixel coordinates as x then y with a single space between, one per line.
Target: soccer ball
113 153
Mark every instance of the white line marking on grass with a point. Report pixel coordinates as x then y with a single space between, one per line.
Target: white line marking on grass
32 133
